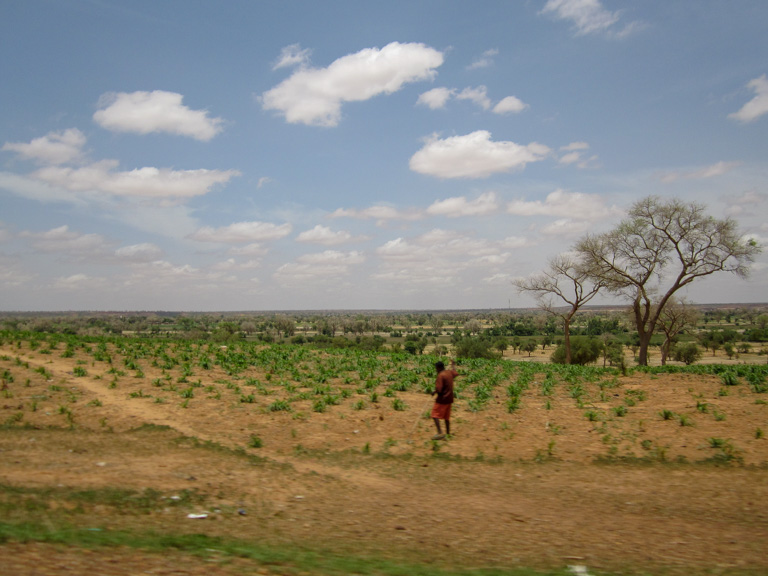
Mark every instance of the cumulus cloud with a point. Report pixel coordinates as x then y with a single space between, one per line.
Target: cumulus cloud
474 155
78 282
587 16
750 201
756 107
147 182
253 249
157 111
510 105
477 95
324 235
313 267
378 212
240 232
563 204
62 240
486 203
436 98
485 60
314 96
145 252
53 148
292 55
711 171
574 153
439 256
566 227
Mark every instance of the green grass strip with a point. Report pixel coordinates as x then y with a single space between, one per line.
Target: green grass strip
293 559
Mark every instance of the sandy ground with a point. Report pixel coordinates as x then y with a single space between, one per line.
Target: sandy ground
544 486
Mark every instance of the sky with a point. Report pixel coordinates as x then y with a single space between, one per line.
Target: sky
189 155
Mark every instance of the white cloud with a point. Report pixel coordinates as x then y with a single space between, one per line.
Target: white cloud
474 155
486 203
263 181
78 282
157 111
314 96
563 204
575 146
62 240
53 148
750 201
588 17
436 98
508 105
566 227
242 232
324 235
145 252
330 264
147 182
485 60
254 249
379 212
756 107
439 258
711 171
477 95
574 154
292 55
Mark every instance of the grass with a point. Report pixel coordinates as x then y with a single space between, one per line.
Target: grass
282 559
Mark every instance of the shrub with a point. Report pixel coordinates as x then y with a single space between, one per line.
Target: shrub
584 350
686 352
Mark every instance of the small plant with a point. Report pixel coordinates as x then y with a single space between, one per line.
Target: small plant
279 406
359 405
398 405
187 393
702 407
723 392
620 410
685 420
667 415
719 416
247 398
592 416
729 378
717 442
255 441
758 433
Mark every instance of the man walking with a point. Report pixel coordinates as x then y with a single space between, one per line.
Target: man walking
441 410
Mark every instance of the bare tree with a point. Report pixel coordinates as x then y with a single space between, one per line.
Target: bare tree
663 242
674 319
566 280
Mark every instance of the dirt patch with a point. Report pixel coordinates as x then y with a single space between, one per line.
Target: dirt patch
592 475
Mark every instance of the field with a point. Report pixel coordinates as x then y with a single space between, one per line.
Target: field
150 456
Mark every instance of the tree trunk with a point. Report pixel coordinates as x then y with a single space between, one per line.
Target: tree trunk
567 340
642 356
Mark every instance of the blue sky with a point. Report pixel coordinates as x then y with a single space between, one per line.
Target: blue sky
243 155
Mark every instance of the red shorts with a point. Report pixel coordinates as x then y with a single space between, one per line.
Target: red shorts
441 411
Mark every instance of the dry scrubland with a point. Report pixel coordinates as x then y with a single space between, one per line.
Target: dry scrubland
321 462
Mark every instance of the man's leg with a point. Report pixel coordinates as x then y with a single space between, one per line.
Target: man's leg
447 426
437 423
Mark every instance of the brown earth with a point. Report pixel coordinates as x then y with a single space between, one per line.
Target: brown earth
541 487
